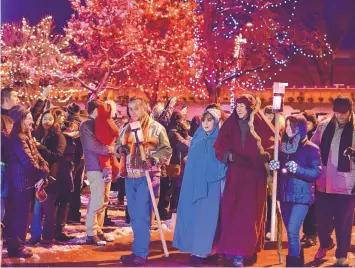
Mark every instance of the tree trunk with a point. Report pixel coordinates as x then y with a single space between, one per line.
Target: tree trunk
213 97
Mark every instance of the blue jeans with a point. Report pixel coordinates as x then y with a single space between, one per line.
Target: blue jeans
139 208
36 222
293 216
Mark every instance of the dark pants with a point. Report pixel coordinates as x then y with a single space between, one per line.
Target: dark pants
75 203
50 214
63 206
18 215
121 188
164 199
176 188
310 222
335 211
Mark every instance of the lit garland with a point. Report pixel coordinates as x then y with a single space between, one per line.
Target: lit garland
158 32
30 54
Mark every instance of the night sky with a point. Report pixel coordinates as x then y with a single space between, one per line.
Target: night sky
34 10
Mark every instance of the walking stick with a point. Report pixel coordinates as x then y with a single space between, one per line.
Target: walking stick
137 130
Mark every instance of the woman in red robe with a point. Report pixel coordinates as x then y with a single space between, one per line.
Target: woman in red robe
244 198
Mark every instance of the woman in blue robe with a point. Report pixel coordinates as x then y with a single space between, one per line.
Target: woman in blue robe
198 208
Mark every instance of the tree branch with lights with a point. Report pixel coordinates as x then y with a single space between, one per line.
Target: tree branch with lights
33 56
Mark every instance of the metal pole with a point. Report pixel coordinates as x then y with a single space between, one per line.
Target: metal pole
274 181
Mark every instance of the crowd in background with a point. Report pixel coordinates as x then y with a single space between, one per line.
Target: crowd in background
212 172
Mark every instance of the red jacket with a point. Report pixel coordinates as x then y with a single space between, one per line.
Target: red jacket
106 131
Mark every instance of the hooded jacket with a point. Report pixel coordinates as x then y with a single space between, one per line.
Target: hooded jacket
299 187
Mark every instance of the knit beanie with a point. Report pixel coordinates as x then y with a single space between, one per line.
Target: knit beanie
17 113
248 100
73 109
342 104
310 116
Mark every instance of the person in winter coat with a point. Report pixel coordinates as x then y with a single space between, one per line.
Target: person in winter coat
244 197
310 223
335 202
51 144
198 209
6 128
162 114
25 167
300 163
158 151
107 132
180 142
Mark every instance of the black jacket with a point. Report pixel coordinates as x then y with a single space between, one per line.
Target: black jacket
25 165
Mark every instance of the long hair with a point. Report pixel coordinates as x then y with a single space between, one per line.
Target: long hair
6 124
55 128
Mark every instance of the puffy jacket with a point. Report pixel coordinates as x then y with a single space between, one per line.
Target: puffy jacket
299 187
25 165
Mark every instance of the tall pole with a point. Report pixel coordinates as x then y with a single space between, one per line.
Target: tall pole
274 181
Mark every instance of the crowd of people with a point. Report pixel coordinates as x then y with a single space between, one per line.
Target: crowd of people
212 171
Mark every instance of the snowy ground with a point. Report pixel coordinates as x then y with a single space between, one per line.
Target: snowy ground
77 254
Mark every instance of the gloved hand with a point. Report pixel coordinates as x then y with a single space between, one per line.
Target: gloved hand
149 163
274 164
123 150
291 166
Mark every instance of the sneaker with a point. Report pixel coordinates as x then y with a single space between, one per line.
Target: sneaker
105 237
20 253
133 260
322 252
92 240
311 241
342 262
238 261
63 237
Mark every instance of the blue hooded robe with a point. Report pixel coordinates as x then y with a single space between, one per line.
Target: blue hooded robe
199 202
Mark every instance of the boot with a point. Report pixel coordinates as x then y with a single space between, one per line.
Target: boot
62 215
301 264
293 261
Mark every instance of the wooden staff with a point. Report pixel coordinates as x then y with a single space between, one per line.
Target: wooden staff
135 127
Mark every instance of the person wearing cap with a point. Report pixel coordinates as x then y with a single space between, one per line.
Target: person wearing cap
310 224
199 203
335 202
158 151
300 166
25 167
99 190
244 198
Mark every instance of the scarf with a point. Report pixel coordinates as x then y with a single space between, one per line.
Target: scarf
345 142
202 166
135 161
290 145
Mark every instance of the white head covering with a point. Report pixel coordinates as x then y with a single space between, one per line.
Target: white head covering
215 113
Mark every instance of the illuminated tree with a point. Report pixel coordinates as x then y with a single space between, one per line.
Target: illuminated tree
241 40
33 55
143 45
